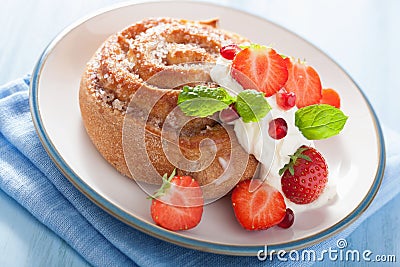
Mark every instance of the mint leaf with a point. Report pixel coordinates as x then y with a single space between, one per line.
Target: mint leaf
320 121
251 105
201 91
203 101
202 106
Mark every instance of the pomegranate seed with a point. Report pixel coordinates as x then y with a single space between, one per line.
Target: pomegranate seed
228 115
288 220
277 128
229 51
285 100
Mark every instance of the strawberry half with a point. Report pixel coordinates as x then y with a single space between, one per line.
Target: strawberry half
259 209
178 204
261 68
305 176
304 81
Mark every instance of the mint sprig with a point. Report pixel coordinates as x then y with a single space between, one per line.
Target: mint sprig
203 101
320 121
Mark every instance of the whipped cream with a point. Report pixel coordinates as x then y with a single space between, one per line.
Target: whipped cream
273 154
220 74
254 138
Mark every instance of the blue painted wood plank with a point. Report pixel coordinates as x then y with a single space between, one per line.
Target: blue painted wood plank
24 241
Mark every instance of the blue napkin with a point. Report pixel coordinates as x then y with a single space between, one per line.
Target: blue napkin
28 175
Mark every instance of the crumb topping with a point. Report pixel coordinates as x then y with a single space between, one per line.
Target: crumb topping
132 57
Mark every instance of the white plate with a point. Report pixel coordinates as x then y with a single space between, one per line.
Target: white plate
56 114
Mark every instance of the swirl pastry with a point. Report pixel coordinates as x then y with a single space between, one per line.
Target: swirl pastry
128 100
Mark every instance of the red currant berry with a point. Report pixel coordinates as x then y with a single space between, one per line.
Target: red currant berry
277 128
285 100
229 51
228 115
288 220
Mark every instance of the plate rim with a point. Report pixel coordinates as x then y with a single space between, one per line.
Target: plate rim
176 237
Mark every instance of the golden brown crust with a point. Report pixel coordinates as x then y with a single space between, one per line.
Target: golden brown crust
104 126
114 80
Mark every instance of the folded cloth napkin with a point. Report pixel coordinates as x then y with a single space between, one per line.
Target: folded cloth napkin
28 175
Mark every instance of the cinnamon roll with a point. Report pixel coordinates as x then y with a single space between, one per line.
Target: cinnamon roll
128 100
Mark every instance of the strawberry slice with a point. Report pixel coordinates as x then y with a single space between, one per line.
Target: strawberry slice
304 176
178 204
330 97
259 209
261 68
304 81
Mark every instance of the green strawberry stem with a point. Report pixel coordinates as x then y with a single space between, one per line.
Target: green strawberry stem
166 184
293 158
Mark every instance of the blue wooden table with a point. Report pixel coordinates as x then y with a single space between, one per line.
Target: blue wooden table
362 36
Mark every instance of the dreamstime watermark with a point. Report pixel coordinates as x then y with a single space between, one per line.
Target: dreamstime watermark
339 253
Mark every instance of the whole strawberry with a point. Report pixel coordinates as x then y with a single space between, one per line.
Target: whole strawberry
257 209
304 176
178 204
